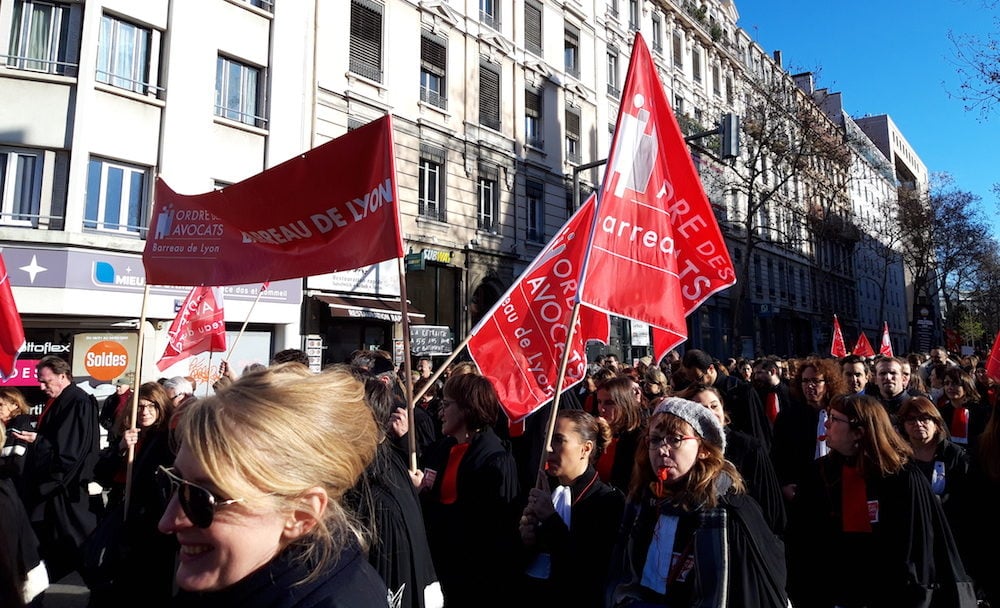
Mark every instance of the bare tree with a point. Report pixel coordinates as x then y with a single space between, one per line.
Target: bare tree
978 59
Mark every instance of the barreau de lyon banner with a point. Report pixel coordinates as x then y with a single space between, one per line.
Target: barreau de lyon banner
332 208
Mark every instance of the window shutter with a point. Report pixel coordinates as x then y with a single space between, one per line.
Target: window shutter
433 53
489 97
366 39
572 124
532 104
533 27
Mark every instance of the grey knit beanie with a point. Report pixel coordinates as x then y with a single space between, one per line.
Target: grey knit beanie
701 419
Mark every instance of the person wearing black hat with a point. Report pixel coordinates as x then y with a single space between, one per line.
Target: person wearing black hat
690 535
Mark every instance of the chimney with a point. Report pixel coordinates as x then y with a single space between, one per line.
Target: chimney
777 58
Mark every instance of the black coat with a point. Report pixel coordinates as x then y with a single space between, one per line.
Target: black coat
350 583
581 553
474 540
794 448
18 544
749 457
746 413
15 451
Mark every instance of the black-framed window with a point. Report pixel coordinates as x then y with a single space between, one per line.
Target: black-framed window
534 196
488 187
431 186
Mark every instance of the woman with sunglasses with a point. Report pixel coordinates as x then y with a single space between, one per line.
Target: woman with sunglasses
868 505
256 493
690 534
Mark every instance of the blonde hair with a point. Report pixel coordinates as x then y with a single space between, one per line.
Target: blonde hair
13 395
274 435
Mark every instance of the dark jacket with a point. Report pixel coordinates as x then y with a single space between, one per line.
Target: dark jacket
350 583
754 464
746 413
15 451
794 448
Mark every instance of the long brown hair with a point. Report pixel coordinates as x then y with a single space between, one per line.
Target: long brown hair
883 450
697 489
629 415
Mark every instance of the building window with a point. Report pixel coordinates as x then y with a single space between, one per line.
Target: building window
123 55
533 128
613 8
489 198
366 39
571 51
678 50
237 92
267 5
489 96
489 13
116 197
729 90
614 88
573 136
535 199
20 186
696 65
633 15
716 81
430 197
533 27
657 34
39 37
678 104
433 68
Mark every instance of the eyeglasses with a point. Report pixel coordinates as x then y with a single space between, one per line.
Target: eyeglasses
813 381
146 405
831 418
198 504
918 419
672 441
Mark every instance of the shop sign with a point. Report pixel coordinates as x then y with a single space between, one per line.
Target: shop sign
430 340
104 357
436 255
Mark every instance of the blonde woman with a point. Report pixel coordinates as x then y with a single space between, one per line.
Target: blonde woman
256 493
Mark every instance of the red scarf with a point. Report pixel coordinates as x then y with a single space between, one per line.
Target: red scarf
854 501
607 461
449 483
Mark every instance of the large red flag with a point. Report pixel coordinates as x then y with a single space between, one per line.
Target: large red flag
11 330
656 250
993 363
200 326
886 347
838 348
519 344
863 348
332 208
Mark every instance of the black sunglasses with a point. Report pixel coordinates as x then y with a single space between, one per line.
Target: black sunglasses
198 503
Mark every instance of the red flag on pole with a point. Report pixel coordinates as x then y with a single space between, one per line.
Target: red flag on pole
332 208
993 363
656 251
200 326
838 348
863 348
519 344
11 330
886 348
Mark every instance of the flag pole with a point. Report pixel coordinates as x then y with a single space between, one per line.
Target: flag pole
411 431
208 373
130 458
441 369
560 379
246 321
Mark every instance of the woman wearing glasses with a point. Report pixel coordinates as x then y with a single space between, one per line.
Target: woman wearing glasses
867 504
690 535
256 493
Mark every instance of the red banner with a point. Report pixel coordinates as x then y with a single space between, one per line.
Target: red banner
838 348
993 363
11 329
333 208
519 344
886 348
657 252
863 348
200 326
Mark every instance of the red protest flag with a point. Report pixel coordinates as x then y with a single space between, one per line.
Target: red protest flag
11 330
200 326
993 363
863 348
332 208
838 348
519 344
886 347
656 250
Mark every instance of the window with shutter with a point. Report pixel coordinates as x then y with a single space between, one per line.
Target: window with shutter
489 96
678 50
572 136
433 69
366 39
533 27
571 51
535 200
533 132
489 195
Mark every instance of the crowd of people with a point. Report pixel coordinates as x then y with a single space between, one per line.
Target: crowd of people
809 482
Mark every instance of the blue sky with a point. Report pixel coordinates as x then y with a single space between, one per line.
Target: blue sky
893 57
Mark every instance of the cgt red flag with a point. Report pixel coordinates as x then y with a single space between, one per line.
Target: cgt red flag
656 251
993 363
519 344
11 330
886 347
332 208
200 326
838 348
863 348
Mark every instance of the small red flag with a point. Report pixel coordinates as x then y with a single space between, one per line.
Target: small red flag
838 348
886 348
11 330
993 363
200 326
863 348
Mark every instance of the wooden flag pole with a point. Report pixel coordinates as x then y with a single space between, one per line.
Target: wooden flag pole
208 373
130 458
560 379
411 431
441 369
246 321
